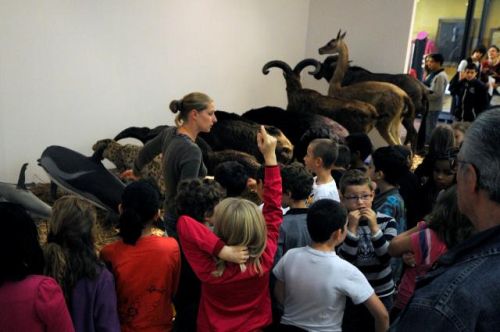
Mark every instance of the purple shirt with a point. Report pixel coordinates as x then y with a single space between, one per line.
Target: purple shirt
93 304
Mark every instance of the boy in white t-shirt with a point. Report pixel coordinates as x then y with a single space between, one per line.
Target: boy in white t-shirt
320 159
313 282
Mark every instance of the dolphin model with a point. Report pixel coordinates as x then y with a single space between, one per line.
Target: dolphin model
83 176
19 193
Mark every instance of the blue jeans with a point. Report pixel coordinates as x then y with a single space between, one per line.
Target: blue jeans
430 124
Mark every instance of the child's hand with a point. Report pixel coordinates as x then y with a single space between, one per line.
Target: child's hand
371 217
267 146
353 221
234 254
409 259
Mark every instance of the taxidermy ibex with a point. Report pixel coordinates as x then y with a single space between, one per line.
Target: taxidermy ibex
355 116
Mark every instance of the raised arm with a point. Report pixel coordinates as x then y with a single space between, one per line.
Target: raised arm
272 192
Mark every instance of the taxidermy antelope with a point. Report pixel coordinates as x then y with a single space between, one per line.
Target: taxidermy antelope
415 89
355 116
388 99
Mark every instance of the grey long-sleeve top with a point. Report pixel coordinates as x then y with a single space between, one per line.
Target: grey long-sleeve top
182 159
438 88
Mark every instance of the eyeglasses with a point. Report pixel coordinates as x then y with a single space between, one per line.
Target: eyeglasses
363 198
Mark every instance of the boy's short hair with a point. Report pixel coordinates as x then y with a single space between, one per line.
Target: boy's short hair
297 180
481 49
260 174
232 176
343 157
471 66
354 177
360 142
326 149
198 197
324 217
438 57
391 162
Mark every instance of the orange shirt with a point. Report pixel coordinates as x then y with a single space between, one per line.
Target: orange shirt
147 275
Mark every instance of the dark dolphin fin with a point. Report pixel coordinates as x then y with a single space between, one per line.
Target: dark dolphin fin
17 193
21 181
82 176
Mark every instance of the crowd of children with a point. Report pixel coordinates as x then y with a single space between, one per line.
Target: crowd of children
358 229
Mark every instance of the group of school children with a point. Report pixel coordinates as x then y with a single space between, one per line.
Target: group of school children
344 256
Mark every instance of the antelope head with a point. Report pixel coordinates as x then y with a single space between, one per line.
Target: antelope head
332 46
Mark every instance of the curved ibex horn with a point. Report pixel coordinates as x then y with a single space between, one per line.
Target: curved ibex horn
308 62
276 63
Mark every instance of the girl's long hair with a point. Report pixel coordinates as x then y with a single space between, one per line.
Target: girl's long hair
70 253
450 225
139 207
239 222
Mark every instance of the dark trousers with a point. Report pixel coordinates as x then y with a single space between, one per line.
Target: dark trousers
358 318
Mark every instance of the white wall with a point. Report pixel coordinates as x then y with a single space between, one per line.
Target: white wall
74 72
378 33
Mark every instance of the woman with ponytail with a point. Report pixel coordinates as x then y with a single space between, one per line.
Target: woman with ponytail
182 158
146 266
71 259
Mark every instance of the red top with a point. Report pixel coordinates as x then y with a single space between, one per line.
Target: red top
147 275
33 304
235 301
427 248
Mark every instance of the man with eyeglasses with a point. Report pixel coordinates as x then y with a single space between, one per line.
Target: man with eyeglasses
462 291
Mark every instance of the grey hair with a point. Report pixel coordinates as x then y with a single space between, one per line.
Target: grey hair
480 147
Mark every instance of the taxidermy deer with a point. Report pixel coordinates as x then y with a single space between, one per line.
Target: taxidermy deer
355 116
415 89
388 99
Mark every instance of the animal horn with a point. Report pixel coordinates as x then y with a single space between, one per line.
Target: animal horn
276 63
21 181
308 62
343 35
338 33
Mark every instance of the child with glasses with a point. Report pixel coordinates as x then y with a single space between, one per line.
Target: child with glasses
368 236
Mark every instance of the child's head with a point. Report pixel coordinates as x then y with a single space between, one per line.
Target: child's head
325 217
406 153
138 209
451 226
388 165
72 223
459 130
297 182
20 251
478 53
445 169
259 182
232 176
321 154
442 139
361 147
239 222
356 190
470 72
344 157
197 198
70 251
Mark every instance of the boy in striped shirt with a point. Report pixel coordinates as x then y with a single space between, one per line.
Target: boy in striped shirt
366 245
